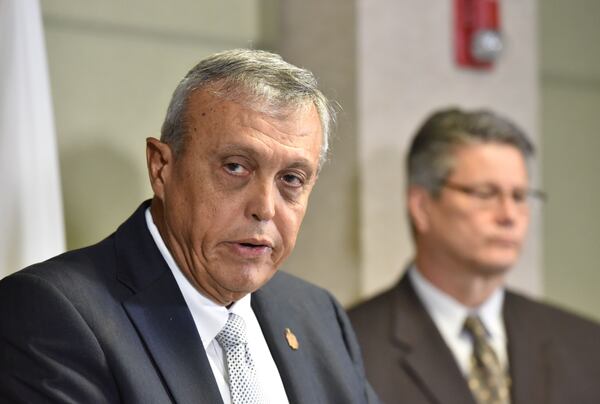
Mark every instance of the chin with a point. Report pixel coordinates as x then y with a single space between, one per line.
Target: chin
250 279
500 259
497 266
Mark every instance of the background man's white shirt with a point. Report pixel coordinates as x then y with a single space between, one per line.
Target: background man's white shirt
449 317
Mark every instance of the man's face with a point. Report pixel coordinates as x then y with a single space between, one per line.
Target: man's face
235 197
480 232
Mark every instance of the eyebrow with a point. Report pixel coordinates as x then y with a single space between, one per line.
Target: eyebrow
235 149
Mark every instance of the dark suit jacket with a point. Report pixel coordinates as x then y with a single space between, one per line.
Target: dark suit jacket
554 357
108 324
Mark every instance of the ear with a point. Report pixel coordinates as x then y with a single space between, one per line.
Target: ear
159 159
418 201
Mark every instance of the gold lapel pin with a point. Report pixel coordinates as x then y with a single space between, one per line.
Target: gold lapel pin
291 339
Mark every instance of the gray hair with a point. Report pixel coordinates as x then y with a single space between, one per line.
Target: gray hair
430 157
260 80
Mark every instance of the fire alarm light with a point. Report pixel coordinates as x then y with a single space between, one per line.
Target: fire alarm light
478 42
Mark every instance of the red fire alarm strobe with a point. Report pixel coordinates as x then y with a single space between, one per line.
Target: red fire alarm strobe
478 42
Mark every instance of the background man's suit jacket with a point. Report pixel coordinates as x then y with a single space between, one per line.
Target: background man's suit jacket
108 324
554 356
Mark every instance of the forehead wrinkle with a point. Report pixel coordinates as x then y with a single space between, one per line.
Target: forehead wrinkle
266 138
294 140
266 125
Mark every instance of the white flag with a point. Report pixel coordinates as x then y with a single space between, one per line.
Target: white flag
31 218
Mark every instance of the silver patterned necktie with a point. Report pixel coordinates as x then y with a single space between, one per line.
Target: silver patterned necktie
243 383
488 380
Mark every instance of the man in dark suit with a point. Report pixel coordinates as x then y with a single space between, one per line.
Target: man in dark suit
449 332
183 303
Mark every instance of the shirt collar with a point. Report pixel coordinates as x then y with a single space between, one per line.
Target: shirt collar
449 314
209 316
490 313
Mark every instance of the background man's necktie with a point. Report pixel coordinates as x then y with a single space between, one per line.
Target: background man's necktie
243 383
488 380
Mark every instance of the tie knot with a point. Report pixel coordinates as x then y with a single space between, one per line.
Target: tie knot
233 333
475 328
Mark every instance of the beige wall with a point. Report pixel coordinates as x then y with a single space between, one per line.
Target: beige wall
114 64
570 83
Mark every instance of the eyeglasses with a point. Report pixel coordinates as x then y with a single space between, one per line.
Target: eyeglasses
489 196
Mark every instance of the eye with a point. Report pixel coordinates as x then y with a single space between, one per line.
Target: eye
292 180
520 195
235 169
485 193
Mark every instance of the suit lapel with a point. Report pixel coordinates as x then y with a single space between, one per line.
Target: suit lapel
528 354
165 324
161 316
425 355
293 366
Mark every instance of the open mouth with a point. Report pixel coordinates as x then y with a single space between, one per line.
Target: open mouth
250 245
251 249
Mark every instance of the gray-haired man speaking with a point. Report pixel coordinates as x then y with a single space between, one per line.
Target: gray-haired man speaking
183 303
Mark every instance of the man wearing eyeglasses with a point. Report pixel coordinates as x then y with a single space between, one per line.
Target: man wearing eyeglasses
449 332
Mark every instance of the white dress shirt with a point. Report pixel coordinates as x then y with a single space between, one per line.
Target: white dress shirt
210 318
449 317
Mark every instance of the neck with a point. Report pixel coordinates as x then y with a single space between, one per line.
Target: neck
469 286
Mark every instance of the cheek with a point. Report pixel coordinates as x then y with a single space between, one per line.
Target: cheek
177 208
522 228
481 225
214 220
288 225
461 224
207 216
468 231
524 221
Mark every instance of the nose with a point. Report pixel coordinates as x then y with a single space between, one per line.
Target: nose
261 200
